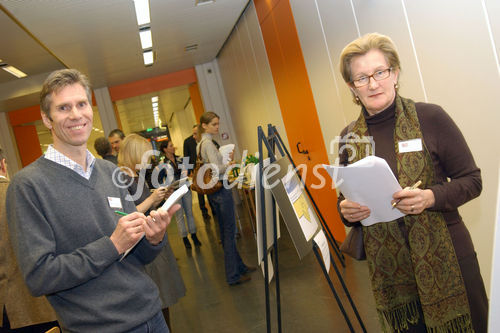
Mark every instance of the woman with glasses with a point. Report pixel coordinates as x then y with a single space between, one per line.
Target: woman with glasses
423 268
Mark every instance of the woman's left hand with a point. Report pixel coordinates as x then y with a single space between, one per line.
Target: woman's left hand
413 201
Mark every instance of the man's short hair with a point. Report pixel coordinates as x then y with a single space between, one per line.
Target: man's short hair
102 146
118 132
2 155
195 125
58 80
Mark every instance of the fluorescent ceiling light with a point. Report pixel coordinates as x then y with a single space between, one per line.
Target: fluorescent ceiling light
155 104
148 58
204 2
146 38
14 71
142 11
154 99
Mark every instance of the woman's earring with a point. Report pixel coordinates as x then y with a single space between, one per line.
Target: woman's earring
357 99
396 85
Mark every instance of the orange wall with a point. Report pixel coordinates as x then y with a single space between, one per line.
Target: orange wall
196 100
153 84
296 100
27 142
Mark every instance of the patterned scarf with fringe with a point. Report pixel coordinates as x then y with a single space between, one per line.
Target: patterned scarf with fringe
426 274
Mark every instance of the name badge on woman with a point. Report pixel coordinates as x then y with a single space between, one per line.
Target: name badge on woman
410 145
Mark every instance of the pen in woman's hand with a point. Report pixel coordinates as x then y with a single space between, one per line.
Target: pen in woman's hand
414 186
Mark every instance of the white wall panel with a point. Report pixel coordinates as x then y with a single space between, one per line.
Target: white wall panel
248 82
459 68
492 8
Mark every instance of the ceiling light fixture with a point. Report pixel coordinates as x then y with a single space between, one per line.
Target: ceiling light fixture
13 70
154 99
142 12
148 58
203 2
146 38
191 47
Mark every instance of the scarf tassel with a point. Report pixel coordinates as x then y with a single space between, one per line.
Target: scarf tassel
462 324
398 319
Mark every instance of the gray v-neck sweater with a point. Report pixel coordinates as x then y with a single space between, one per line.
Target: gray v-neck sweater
60 225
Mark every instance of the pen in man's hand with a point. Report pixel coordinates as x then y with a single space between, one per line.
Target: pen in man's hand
414 186
120 213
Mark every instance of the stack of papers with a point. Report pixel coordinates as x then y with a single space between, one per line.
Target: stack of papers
369 182
225 151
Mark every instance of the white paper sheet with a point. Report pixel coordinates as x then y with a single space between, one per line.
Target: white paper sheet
172 199
225 151
369 182
270 268
320 239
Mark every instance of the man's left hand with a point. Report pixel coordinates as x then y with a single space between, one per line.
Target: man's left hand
157 222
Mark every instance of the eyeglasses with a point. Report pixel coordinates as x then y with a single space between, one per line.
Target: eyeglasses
379 75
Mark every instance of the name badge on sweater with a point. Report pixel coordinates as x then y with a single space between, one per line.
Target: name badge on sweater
115 202
410 145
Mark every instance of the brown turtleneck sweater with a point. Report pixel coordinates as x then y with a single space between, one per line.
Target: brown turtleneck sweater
458 179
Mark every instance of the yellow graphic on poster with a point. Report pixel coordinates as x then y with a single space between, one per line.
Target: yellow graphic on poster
305 215
302 208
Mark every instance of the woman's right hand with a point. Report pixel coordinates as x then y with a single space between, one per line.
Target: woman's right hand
353 211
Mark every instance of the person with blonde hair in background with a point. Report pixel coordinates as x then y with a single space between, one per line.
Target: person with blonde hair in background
134 151
18 308
423 268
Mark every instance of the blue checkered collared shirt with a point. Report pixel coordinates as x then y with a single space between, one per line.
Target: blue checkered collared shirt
55 156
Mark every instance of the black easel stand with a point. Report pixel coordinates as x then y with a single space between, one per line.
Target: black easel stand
334 292
271 141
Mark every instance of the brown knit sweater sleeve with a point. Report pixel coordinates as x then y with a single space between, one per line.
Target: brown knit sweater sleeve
458 177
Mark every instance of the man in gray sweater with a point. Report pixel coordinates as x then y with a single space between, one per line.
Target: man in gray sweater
68 240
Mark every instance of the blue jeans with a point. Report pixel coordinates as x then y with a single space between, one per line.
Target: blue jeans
187 209
154 325
224 209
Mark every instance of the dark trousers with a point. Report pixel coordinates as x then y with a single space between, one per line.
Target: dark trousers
224 206
203 208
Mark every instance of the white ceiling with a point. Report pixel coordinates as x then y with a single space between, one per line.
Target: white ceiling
101 39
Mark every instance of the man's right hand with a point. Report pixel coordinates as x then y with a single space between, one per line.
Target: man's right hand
128 231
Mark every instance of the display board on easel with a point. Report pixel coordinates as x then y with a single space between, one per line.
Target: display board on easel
297 211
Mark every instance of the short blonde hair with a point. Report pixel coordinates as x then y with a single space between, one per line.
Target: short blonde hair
361 46
132 149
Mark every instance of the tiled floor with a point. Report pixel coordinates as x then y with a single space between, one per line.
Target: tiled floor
307 303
